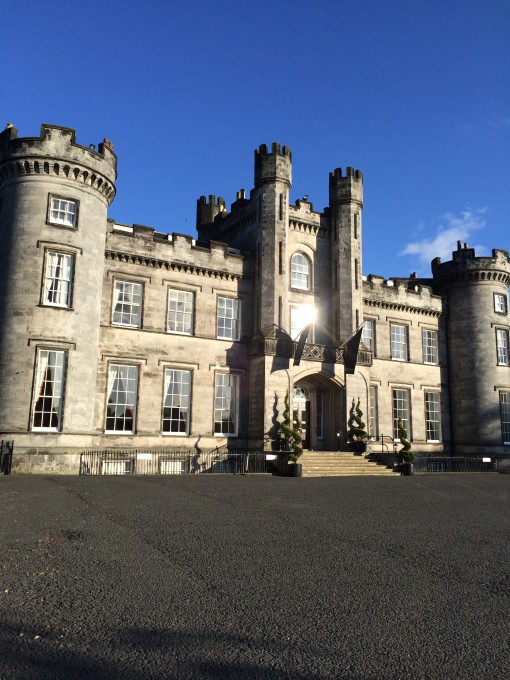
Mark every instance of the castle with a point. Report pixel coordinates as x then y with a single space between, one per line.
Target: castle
115 335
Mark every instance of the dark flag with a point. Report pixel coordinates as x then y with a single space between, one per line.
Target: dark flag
351 351
301 344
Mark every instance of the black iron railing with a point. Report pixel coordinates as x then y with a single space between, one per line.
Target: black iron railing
6 449
455 464
146 461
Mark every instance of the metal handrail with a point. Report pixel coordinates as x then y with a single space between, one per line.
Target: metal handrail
384 446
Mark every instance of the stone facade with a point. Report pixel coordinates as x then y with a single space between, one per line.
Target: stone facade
116 335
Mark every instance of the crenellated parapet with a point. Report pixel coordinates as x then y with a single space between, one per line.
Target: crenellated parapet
465 267
346 188
56 154
273 166
143 246
209 208
403 295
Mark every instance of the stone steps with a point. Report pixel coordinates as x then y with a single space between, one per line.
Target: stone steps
341 464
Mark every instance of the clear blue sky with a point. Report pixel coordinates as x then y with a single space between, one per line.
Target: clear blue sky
413 92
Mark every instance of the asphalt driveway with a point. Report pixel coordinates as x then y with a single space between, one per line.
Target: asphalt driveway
255 577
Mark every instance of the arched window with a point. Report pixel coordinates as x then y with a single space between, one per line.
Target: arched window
300 271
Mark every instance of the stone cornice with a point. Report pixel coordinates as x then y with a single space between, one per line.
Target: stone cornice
181 267
478 273
401 307
60 168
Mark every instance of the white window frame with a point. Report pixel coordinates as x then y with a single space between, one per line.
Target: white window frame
180 311
504 400
500 303
228 318
63 212
399 338
176 402
49 385
433 417
117 375
502 346
125 294
401 407
373 428
368 334
58 279
429 345
226 401
300 271
319 414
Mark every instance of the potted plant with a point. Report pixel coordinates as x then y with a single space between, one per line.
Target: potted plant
407 456
291 437
359 434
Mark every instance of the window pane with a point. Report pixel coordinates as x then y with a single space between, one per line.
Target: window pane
47 402
300 317
228 318
433 416
369 334
398 342
176 406
180 312
127 304
57 279
226 403
373 426
320 414
300 272
505 416
502 347
401 410
63 212
429 342
122 389
500 305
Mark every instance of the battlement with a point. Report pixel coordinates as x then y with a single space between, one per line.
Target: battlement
337 175
345 188
465 266
273 166
401 294
275 149
142 245
209 209
56 153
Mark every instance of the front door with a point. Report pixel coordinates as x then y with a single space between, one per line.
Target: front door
301 410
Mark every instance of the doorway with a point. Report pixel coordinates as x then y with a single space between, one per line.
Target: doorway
317 403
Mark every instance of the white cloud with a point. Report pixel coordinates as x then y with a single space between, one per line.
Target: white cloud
446 234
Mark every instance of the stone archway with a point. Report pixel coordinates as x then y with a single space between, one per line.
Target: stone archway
319 403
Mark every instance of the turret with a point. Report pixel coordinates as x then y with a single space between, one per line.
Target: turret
207 210
273 180
54 195
476 294
275 166
345 208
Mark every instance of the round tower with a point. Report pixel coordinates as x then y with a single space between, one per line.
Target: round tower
477 323
345 208
54 196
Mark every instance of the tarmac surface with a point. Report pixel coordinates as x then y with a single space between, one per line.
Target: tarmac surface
246 577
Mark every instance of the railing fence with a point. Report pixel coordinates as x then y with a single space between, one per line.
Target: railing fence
6 449
178 462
